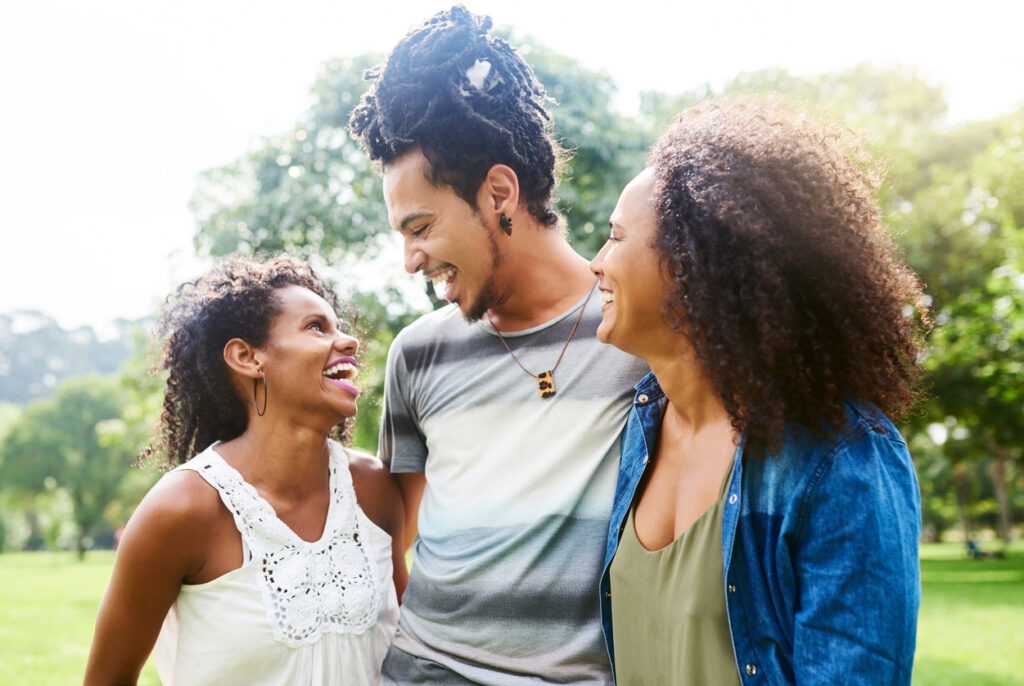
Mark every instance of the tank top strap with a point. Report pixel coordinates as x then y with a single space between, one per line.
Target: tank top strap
254 518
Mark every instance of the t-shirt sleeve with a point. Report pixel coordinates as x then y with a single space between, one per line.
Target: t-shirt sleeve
403 447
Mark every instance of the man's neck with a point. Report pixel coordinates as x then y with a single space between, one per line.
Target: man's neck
543 277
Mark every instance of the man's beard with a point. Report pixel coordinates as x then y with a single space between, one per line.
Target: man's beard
488 296
485 300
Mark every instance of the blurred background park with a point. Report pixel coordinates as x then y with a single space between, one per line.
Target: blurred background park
143 140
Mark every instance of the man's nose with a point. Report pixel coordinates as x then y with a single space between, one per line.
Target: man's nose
414 256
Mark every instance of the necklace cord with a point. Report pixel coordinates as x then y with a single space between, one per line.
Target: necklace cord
564 347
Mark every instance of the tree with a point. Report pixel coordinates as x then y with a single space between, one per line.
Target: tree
69 442
606 149
36 354
312 193
954 198
966 237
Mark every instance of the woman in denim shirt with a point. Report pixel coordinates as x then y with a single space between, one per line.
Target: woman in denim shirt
767 513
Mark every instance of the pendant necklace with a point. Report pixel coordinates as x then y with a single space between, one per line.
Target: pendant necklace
546 380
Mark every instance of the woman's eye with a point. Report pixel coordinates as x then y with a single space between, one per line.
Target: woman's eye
317 326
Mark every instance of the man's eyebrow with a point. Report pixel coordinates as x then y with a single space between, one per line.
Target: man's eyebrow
412 219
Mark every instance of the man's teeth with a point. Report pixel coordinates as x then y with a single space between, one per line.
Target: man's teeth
607 297
342 370
442 276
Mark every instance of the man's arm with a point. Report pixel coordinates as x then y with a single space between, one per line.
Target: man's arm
412 486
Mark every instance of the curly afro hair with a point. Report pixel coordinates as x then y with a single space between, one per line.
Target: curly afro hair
782 275
235 300
468 101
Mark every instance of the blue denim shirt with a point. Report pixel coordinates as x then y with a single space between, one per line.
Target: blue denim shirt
819 547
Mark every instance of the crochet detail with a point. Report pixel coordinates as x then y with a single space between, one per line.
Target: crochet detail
309 588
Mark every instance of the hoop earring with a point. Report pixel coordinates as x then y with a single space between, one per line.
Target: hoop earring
255 385
506 224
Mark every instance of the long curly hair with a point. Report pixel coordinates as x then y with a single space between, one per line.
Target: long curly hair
783 276
469 101
235 300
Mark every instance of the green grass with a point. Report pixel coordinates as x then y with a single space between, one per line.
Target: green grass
48 604
970 632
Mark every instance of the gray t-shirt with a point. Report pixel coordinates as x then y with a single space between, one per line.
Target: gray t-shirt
519 488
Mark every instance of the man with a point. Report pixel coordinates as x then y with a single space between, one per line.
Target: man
502 411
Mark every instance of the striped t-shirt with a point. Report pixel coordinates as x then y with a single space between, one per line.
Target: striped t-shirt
512 526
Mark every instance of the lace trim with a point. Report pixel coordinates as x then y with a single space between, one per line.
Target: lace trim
329 585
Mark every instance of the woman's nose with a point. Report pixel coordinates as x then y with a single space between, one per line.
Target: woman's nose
346 345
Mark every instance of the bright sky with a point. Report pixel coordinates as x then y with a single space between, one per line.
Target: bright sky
112 108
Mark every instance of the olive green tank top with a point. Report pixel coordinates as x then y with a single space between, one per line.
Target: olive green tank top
668 607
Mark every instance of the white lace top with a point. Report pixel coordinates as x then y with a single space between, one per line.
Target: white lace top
295 612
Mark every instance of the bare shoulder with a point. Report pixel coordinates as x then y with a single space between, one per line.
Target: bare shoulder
181 497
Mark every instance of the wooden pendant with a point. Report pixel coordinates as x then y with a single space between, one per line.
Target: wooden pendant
546 384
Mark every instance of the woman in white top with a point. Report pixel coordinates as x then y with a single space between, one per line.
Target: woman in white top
273 556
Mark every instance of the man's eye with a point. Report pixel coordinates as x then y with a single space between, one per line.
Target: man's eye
316 325
418 232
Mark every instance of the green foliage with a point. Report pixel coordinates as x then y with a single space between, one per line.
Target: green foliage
312 193
309 192
964 232
76 445
954 198
605 148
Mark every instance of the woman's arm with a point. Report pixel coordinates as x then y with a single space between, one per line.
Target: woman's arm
160 548
380 498
856 568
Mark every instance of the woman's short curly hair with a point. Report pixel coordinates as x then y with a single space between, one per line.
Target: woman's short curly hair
783 277
465 118
235 300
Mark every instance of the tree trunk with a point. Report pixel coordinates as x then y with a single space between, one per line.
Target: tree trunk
80 542
963 497
997 470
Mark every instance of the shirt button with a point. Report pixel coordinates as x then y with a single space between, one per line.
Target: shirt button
607 595
647 458
732 499
732 589
642 399
751 670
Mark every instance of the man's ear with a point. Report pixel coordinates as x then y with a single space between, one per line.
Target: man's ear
499 192
242 358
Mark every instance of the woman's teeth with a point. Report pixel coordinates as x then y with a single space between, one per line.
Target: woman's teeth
607 297
341 370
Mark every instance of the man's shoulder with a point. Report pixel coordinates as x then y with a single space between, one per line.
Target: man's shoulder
442 322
